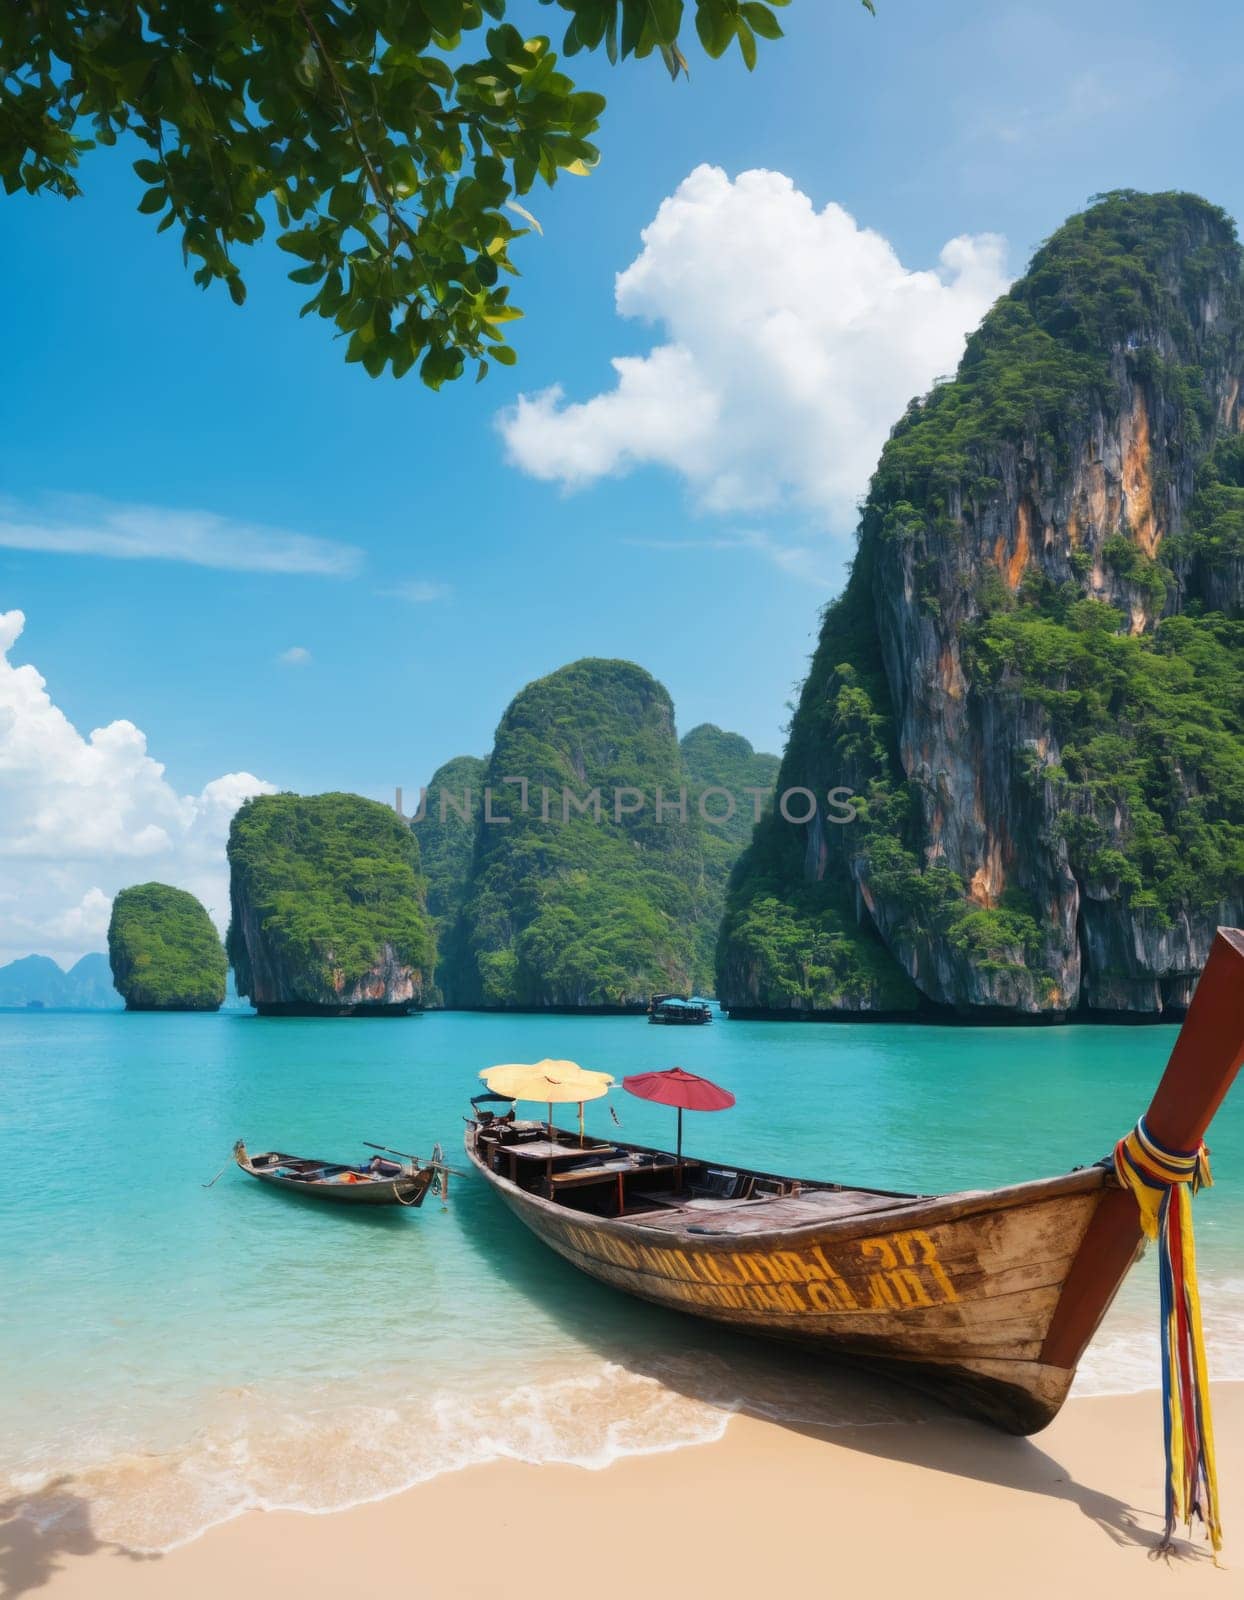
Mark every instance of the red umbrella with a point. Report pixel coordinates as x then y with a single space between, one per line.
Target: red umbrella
682 1089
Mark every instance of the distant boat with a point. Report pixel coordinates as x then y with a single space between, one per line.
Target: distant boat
986 1298
679 1010
36 1005
378 1182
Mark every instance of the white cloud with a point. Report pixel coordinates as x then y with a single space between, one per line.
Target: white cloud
418 591
794 339
83 525
296 656
82 817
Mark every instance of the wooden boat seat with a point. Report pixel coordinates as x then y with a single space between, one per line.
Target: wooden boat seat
719 1183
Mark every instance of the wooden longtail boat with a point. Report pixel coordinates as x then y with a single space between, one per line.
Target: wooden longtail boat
986 1298
378 1182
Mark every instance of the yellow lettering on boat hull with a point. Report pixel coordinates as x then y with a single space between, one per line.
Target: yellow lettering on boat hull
894 1272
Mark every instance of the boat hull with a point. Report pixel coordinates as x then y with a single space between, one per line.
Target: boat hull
954 1295
401 1191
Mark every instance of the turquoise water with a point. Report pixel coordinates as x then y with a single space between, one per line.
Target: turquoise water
182 1352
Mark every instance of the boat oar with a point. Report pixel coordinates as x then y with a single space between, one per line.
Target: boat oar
388 1149
220 1174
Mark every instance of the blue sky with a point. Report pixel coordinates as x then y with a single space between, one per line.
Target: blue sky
126 385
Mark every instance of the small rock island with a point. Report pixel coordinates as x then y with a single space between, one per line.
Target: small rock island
328 908
164 952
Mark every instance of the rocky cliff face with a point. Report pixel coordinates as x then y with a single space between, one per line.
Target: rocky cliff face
328 908
1033 682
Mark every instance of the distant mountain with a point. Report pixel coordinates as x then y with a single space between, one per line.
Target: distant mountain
90 980
39 981
87 986
233 1000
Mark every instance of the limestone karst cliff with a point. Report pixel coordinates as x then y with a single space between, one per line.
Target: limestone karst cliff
546 899
1034 680
328 907
581 897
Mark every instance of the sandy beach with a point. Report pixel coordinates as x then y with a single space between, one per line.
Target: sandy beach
944 1506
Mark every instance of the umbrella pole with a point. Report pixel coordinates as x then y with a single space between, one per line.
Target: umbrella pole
580 1124
678 1173
549 1174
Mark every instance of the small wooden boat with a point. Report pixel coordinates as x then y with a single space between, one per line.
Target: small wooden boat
378 1182
677 1011
985 1298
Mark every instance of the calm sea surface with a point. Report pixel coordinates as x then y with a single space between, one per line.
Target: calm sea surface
173 1354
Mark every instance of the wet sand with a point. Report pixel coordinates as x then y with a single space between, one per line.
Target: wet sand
938 1507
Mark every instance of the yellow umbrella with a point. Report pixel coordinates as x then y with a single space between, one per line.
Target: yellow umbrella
553 1082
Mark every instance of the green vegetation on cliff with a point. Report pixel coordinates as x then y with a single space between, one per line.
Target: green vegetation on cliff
584 897
164 952
446 831
1213 538
714 759
325 891
1151 727
1126 650
446 834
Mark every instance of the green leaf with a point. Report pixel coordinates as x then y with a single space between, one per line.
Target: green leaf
153 200
715 28
444 15
304 242
761 19
665 16
747 45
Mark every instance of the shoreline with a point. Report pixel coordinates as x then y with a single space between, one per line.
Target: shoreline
943 1503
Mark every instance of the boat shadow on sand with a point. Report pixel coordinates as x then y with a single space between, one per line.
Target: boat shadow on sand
819 1400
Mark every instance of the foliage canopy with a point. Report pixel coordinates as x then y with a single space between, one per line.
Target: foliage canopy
164 951
387 139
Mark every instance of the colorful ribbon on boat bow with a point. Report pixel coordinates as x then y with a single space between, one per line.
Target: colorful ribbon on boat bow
1163 1182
